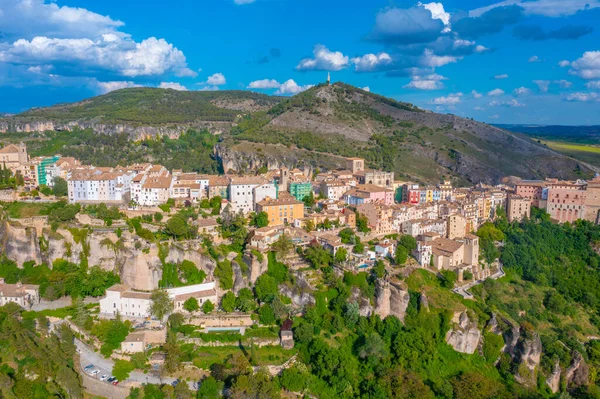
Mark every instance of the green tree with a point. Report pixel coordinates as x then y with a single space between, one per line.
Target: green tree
447 278
210 388
266 288
409 242
61 187
341 255
228 302
362 223
266 315
191 305
161 304
282 247
81 315
158 217
260 219
208 307
245 300
401 255
121 369
177 226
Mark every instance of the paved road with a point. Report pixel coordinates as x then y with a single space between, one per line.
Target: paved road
464 290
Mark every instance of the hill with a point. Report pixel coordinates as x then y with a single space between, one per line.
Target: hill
314 129
329 122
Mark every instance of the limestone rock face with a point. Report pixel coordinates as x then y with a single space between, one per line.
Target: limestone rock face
553 380
255 266
238 278
391 299
301 293
364 305
528 356
423 302
19 244
464 337
578 373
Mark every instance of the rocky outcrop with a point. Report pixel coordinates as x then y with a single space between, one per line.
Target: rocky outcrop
256 265
465 335
239 281
301 292
528 356
578 373
233 159
365 308
553 380
391 299
19 243
423 302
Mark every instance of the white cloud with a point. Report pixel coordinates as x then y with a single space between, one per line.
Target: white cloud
123 56
324 60
40 69
500 77
476 94
428 82
583 97
264 84
370 62
241 2
588 66
479 109
216 79
542 85
105 87
209 88
172 85
564 63
438 12
548 8
366 88
564 84
534 58
593 85
481 49
451 99
522 91
291 87
434 61
510 103
495 93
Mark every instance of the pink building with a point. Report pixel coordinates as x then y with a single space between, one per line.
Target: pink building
367 194
566 201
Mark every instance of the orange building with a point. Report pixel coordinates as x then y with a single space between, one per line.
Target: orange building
283 210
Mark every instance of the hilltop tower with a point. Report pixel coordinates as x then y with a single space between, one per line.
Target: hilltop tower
328 78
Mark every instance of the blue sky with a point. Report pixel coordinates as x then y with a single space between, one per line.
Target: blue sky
534 61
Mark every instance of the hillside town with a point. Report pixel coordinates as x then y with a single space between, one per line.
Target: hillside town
362 220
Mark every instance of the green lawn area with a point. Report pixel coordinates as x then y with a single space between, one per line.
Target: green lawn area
204 357
21 210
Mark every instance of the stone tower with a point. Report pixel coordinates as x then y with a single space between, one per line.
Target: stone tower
284 179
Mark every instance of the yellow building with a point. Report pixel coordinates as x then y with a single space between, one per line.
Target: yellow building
283 210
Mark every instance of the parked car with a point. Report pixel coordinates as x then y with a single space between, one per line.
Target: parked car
94 372
115 382
174 383
104 377
111 379
89 366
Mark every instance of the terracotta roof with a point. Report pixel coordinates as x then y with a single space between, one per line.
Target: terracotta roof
444 246
135 295
207 222
9 149
197 294
257 180
158 182
279 201
118 288
217 181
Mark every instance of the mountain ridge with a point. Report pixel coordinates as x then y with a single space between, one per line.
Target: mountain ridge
314 129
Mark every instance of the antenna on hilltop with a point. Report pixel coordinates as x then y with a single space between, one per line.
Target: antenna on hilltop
328 78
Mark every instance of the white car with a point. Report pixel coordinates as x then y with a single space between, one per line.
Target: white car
104 377
94 372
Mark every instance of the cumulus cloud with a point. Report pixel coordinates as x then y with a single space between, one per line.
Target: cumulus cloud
564 84
583 97
438 12
535 32
564 63
366 88
588 66
264 84
291 87
476 94
547 8
542 85
371 62
105 87
429 82
435 61
172 85
510 103
406 26
522 91
241 2
501 77
216 79
593 85
451 99
493 20
534 58
324 60
495 93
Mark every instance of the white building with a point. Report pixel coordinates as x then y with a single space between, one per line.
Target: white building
263 191
241 193
98 185
24 295
122 299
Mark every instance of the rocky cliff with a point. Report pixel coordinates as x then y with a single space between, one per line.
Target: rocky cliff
391 299
19 243
465 335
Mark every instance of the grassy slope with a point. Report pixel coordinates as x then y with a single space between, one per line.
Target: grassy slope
585 152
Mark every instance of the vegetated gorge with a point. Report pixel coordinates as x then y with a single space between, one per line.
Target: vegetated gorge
244 131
